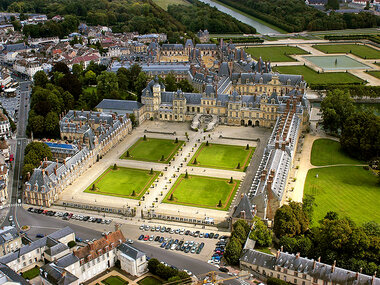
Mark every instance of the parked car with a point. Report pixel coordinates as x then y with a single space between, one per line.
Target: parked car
146 238
141 237
157 238
39 235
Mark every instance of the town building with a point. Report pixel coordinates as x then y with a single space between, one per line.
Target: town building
5 125
94 133
300 270
10 240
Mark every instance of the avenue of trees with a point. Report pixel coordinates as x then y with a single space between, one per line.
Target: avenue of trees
359 130
334 238
296 16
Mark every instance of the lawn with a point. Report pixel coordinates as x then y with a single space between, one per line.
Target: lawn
222 156
275 54
313 77
149 280
329 152
204 192
165 3
115 280
375 73
348 190
358 50
31 273
152 150
122 182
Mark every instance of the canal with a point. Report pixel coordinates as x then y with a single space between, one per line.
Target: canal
260 28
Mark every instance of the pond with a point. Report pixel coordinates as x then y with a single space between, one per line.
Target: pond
337 62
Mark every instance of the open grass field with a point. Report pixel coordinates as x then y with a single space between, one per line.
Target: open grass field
149 280
165 3
122 182
31 273
348 190
152 150
328 152
375 73
358 50
203 192
222 156
275 54
313 77
114 280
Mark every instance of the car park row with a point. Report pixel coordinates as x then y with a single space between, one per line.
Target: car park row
68 216
181 231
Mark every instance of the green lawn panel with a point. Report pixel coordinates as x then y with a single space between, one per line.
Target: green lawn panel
275 53
152 150
313 77
204 192
122 182
149 280
329 152
31 273
222 156
114 280
348 190
358 50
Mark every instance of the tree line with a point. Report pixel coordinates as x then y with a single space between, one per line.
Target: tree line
200 16
296 16
333 239
358 129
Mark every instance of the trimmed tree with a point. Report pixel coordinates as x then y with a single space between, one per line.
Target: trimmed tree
220 204
231 180
247 147
151 171
176 140
206 143
128 155
144 138
115 167
162 158
93 188
238 166
171 198
186 175
195 161
133 193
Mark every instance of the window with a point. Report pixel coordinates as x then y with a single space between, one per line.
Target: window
295 281
315 280
278 276
296 273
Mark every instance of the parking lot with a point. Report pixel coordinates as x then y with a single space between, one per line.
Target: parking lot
199 244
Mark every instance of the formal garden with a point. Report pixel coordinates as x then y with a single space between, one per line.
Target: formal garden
375 73
31 273
222 156
123 182
203 192
362 51
313 77
350 191
275 53
149 280
153 150
114 280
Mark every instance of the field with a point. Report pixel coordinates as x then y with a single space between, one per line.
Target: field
358 50
31 273
328 152
275 54
149 280
222 156
348 190
313 77
114 280
375 73
203 192
122 182
165 3
152 150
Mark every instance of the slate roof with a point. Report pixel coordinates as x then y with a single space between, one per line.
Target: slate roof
7 234
15 47
67 260
285 79
130 251
246 206
315 269
11 275
126 105
56 275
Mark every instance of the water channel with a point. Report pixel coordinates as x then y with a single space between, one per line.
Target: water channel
260 28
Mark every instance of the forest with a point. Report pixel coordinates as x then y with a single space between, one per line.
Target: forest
296 16
142 16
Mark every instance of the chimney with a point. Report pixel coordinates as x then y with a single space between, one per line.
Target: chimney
283 146
333 267
242 214
278 253
28 175
282 248
41 163
277 145
263 177
298 255
63 273
117 227
64 162
319 259
47 173
43 172
357 276
314 263
373 278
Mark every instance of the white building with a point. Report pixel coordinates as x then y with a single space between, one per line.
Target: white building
132 260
